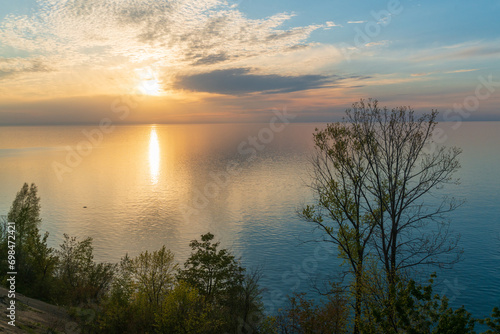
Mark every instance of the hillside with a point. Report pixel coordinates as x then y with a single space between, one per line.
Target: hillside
34 316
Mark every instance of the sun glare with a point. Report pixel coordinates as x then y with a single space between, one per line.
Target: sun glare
150 87
154 156
149 83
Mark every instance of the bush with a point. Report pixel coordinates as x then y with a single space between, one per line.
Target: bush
185 311
82 281
35 262
303 316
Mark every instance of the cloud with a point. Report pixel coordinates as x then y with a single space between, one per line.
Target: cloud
211 59
371 44
356 22
331 24
240 81
462 71
423 74
201 32
469 50
313 59
15 66
445 72
480 51
94 47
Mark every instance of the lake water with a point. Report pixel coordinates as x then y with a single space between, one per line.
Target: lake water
139 187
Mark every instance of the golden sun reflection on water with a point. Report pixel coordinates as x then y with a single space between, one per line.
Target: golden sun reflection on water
154 156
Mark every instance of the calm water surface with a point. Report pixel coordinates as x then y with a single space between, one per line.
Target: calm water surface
145 186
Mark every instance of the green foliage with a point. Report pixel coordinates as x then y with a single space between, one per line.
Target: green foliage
84 316
25 212
303 316
138 292
371 173
41 263
68 275
345 210
146 296
119 313
413 308
76 260
493 323
124 287
185 311
211 271
142 294
213 294
247 304
269 325
154 275
234 298
453 321
82 280
35 261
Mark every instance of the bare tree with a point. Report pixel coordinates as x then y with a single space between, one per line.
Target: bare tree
375 181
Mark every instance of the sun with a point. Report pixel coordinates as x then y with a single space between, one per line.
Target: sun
149 84
150 87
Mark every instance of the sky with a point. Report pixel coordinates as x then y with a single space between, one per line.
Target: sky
213 61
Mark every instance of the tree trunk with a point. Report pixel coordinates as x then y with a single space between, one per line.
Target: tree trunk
358 287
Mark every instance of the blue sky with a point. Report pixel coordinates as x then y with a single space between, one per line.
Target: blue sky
66 61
